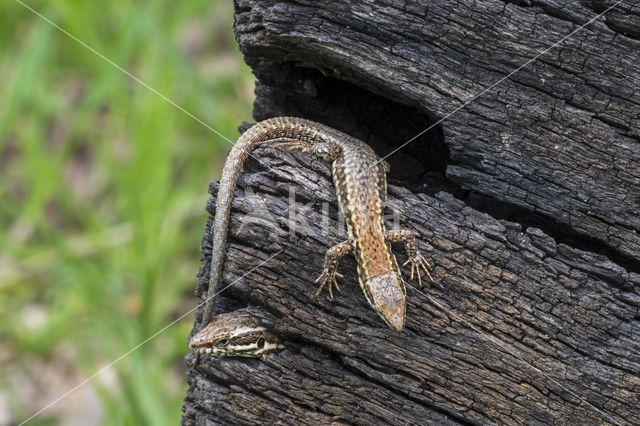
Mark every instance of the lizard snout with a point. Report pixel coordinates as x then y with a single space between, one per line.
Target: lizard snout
388 297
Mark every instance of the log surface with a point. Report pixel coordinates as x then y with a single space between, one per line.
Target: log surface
559 138
526 198
523 330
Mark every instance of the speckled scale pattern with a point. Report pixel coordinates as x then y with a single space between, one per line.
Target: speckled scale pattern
360 183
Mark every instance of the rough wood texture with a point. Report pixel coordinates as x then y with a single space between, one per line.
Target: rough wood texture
529 210
560 138
525 330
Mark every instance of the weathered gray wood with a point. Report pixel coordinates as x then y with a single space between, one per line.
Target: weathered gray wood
524 331
532 325
559 138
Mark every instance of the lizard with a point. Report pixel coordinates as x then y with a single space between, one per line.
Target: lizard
359 177
236 333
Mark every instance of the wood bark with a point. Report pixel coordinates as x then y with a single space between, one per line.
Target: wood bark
526 198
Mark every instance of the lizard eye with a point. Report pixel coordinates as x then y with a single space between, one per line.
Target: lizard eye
261 342
222 343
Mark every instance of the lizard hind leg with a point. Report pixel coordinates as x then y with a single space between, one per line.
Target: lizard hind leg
327 151
419 264
330 273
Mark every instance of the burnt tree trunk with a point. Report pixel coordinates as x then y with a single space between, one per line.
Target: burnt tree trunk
526 199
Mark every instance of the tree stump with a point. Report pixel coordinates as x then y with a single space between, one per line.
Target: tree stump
526 198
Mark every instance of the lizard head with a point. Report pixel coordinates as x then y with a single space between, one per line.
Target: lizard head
387 295
236 333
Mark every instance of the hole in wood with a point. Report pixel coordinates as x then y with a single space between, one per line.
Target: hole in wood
285 89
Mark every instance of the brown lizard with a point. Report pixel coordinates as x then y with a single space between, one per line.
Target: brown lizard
359 177
237 333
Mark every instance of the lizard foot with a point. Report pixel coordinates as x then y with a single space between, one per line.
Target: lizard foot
419 265
329 277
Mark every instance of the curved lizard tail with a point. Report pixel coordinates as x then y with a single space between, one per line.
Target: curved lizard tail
294 133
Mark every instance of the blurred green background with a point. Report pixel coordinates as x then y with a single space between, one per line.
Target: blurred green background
102 192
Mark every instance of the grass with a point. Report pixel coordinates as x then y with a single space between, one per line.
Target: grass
102 192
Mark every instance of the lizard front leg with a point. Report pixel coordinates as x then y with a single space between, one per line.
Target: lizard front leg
331 260
416 259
